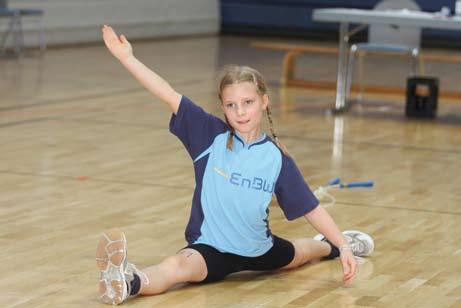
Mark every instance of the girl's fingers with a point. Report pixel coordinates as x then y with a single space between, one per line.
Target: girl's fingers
108 31
346 269
348 278
345 263
123 39
351 273
353 266
118 45
349 267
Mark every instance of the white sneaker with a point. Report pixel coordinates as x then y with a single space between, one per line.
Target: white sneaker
362 244
116 272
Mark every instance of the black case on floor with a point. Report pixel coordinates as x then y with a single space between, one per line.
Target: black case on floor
422 96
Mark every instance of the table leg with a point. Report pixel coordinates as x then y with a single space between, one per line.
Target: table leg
341 104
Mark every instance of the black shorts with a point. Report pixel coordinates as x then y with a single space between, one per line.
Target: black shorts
220 264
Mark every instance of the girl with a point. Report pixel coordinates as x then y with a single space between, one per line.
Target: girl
237 170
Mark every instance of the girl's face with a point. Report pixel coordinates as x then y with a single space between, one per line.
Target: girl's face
243 107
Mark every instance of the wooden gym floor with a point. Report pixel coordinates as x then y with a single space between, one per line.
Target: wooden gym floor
85 148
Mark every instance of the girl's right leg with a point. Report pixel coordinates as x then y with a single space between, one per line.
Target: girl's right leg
120 279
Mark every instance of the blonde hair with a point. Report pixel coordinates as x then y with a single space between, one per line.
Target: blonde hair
234 74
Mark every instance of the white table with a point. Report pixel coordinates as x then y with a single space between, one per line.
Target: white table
366 17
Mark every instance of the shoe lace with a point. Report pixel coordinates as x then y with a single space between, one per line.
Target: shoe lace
356 245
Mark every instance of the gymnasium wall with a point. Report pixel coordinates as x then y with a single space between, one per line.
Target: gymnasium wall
76 21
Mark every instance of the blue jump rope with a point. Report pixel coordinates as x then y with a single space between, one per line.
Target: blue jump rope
322 191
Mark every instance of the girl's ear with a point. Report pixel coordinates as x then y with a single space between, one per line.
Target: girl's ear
265 101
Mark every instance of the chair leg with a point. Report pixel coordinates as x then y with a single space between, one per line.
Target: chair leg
21 35
418 62
350 70
289 63
18 35
8 33
42 37
360 77
414 62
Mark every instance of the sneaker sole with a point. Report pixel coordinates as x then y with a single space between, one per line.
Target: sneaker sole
368 239
110 258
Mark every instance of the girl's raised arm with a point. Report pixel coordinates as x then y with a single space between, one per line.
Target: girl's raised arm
122 50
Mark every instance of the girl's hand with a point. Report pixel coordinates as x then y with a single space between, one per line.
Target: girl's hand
349 266
118 46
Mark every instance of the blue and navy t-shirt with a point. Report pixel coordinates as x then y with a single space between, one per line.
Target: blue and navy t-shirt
230 206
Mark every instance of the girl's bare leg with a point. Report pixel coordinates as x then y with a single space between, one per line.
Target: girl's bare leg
187 266
307 249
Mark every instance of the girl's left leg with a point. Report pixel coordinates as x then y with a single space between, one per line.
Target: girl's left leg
307 249
120 279
187 265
